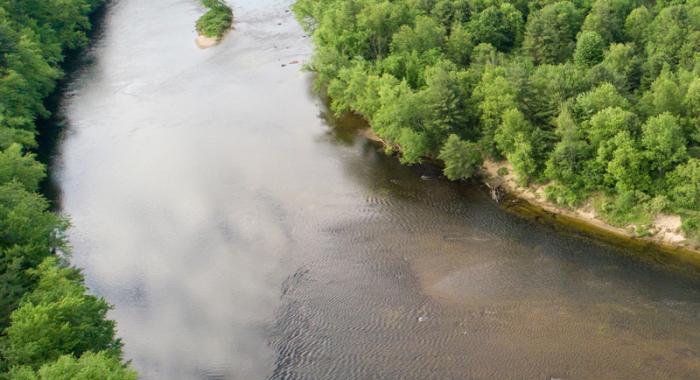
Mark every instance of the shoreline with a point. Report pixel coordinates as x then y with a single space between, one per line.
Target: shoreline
531 202
204 42
584 221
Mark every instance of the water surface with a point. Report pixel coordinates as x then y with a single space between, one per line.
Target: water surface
242 234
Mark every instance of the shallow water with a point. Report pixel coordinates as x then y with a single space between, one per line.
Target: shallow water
241 233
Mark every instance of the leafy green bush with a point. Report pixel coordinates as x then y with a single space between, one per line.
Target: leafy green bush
562 195
691 227
217 20
627 208
462 158
89 367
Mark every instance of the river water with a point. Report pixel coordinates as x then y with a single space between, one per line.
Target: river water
241 233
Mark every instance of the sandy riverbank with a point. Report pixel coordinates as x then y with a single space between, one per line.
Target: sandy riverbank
204 42
665 231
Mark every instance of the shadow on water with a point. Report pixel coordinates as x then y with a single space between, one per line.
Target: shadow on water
676 260
347 130
50 130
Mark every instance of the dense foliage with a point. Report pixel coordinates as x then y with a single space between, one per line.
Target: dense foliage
594 99
50 328
217 20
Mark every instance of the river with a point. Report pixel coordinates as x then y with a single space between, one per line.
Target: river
241 233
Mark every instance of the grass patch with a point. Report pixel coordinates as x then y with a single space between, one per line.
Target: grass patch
691 226
217 20
626 210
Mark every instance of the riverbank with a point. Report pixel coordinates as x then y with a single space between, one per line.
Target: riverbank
204 42
665 233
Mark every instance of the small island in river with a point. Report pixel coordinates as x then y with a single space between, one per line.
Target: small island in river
212 26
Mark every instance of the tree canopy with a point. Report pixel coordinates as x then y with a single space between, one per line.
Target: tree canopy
50 328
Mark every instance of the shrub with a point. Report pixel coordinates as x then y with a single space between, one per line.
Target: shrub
462 159
217 20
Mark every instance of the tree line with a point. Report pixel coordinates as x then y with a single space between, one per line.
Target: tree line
598 100
50 326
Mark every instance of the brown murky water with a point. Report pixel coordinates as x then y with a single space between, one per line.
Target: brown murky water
241 235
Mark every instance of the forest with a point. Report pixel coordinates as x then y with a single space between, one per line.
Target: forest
50 326
595 100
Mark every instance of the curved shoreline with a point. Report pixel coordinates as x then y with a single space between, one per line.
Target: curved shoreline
645 248
204 42
528 203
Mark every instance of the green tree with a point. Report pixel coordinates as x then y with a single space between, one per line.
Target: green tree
89 366
15 166
523 159
29 234
663 139
447 95
627 170
690 51
637 24
623 65
607 18
425 35
684 187
589 49
691 103
27 79
664 95
566 163
459 45
514 122
414 146
550 33
57 319
499 26
451 12
462 158
548 87
493 94
376 23
608 123
666 36
602 97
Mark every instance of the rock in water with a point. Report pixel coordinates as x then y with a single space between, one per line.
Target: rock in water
498 193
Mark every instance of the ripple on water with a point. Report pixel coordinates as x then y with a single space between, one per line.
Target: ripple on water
421 293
